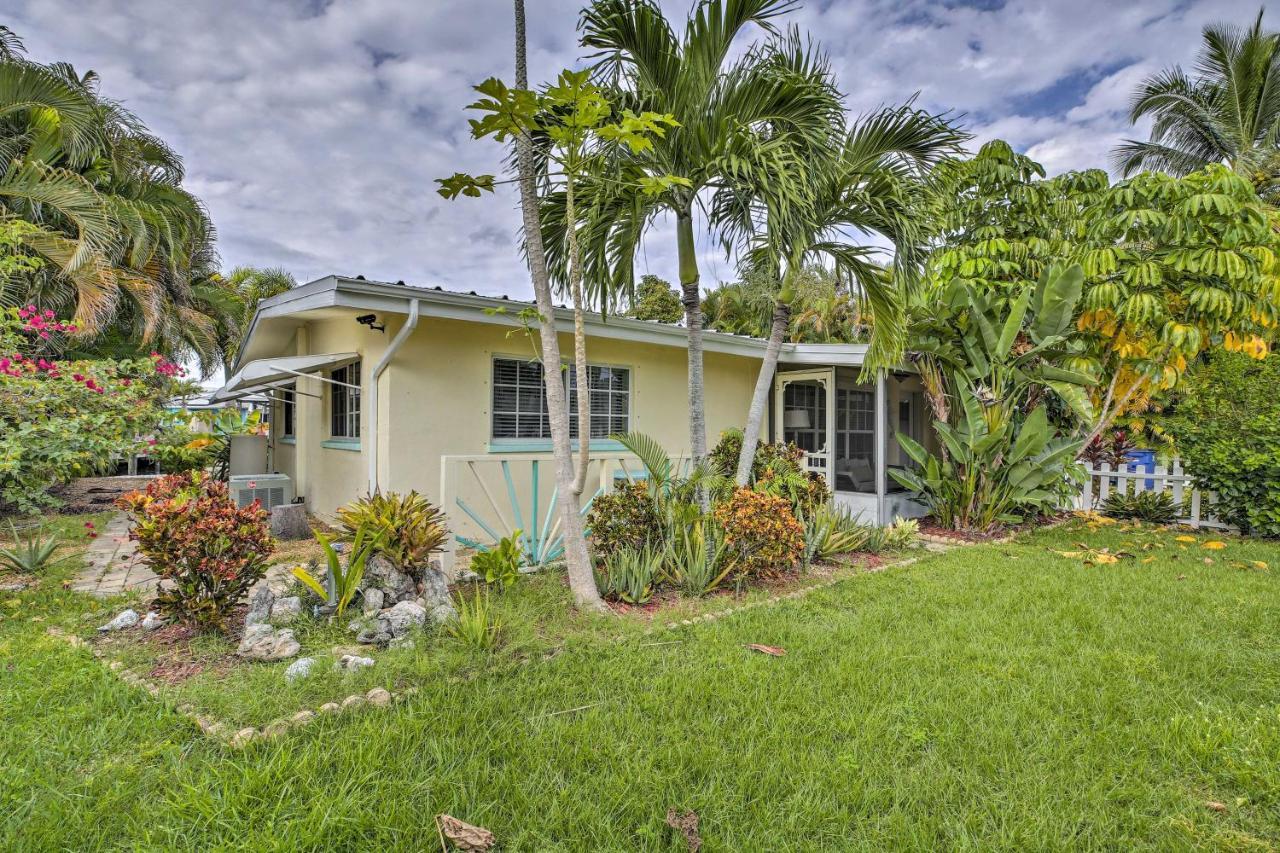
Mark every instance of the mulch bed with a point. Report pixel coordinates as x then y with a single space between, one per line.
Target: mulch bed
174 660
929 527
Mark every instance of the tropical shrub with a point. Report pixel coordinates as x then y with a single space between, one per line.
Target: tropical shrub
178 449
338 586
901 534
409 527
500 564
627 517
207 549
1153 507
629 574
32 552
777 469
61 419
1226 427
761 533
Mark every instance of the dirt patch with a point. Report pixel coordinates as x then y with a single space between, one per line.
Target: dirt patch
930 527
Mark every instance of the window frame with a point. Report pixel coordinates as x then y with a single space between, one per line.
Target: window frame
543 441
288 411
349 416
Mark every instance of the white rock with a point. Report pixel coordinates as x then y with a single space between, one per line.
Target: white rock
372 600
443 613
286 609
300 668
152 621
262 642
378 696
350 663
404 617
127 619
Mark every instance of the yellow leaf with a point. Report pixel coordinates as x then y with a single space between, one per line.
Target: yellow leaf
1214 545
1184 539
1072 555
1260 564
1104 559
1149 559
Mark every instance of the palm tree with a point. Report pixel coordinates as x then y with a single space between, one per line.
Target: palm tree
871 181
127 250
734 117
238 295
577 558
1229 112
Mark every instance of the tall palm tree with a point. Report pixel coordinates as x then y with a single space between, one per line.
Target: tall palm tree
734 118
577 558
871 181
1228 112
127 250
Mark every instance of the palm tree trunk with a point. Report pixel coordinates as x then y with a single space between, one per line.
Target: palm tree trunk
691 298
755 414
581 579
580 369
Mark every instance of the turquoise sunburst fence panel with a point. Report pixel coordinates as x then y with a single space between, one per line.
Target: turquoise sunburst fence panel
509 493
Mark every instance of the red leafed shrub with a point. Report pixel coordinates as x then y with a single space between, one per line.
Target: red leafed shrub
195 537
761 532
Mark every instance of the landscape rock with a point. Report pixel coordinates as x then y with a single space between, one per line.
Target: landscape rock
260 604
300 668
152 621
302 718
127 619
378 696
353 700
264 643
404 617
351 663
289 522
443 613
243 736
372 600
286 609
330 708
401 643
372 638
381 574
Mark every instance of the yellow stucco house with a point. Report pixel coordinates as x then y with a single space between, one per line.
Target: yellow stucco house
386 386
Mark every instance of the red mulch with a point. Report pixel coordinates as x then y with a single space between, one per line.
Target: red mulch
931 528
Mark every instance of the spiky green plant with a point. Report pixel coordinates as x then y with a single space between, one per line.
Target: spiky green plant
339 586
31 553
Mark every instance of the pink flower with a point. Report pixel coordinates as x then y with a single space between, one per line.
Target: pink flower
89 524
253 484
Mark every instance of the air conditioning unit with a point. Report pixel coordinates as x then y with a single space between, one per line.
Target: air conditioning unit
271 490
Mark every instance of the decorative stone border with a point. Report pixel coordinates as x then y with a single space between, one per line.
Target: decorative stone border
380 697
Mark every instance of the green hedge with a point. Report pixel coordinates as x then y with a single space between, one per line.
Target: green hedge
1226 426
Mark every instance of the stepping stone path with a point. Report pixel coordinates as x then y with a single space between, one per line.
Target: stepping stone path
113 566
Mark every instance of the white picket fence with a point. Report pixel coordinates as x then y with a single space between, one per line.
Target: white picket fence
1130 478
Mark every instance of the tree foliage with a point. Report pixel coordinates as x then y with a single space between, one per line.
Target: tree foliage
656 299
123 246
1228 111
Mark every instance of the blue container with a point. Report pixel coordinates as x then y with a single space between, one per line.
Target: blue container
1142 460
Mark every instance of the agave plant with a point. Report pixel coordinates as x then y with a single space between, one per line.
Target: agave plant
30 554
630 574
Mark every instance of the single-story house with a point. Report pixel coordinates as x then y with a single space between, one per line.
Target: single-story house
387 386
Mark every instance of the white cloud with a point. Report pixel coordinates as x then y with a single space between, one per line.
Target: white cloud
314 130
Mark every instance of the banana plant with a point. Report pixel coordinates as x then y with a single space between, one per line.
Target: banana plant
992 361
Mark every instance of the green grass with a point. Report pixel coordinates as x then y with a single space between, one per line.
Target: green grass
994 697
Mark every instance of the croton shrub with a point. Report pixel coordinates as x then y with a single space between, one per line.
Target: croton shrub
68 418
626 518
761 532
194 536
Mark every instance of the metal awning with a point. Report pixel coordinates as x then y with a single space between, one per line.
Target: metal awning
271 372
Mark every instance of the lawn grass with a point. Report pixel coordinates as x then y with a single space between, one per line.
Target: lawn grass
992 697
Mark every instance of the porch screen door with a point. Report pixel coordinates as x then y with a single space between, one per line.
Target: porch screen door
806 414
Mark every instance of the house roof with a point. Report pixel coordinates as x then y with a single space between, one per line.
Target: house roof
277 316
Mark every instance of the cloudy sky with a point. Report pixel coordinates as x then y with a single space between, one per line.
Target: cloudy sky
314 129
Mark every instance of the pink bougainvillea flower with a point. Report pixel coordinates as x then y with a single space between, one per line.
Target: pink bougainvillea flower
89 524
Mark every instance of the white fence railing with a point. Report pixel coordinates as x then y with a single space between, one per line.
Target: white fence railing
1194 507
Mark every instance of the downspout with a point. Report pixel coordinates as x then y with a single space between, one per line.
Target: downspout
409 325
